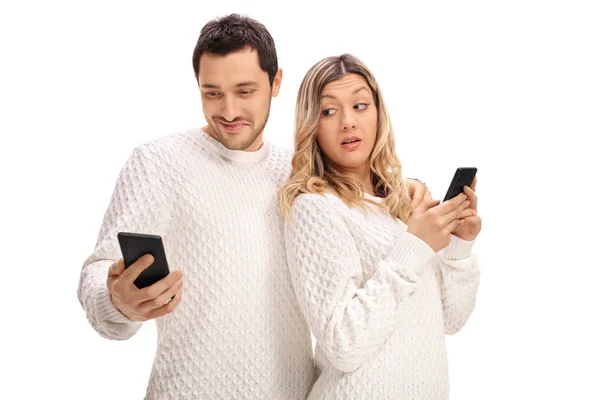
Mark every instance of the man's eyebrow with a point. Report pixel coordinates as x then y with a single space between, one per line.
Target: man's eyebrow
238 85
246 83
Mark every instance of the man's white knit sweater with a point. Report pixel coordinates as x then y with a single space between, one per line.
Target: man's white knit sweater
378 300
238 332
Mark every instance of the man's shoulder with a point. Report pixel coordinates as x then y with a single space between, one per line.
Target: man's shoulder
280 163
282 153
170 143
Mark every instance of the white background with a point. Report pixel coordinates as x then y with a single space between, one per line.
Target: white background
511 87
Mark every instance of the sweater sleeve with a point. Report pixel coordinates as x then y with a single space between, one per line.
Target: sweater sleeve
458 276
137 205
350 317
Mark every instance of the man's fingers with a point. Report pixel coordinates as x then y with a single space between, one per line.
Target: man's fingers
411 189
474 183
155 290
116 268
422 195
417 194
427 194
134 270
167 308
414 200
161 300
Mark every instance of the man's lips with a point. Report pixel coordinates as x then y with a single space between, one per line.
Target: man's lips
233 127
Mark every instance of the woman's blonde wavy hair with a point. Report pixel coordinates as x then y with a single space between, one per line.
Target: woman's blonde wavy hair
311 172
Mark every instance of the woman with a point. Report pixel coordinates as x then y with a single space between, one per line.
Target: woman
379 283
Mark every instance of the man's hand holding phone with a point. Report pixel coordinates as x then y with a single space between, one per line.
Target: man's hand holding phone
149 302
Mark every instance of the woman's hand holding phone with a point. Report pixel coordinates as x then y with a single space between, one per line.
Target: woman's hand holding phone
470 228
434 223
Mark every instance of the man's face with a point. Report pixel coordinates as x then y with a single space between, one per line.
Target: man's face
236 98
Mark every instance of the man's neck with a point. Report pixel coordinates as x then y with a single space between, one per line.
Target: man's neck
255 146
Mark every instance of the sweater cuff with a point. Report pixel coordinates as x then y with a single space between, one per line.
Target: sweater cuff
458 249
412 252
106 310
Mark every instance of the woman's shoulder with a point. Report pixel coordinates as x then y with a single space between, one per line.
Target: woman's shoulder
325 200
317 214
324 207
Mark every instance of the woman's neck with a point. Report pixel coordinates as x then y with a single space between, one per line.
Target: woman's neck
362 175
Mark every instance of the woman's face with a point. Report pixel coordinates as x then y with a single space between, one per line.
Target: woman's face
348 125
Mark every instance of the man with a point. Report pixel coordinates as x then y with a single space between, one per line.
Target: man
211 194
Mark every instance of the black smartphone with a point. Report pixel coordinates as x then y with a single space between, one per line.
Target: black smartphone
135 245
462 177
